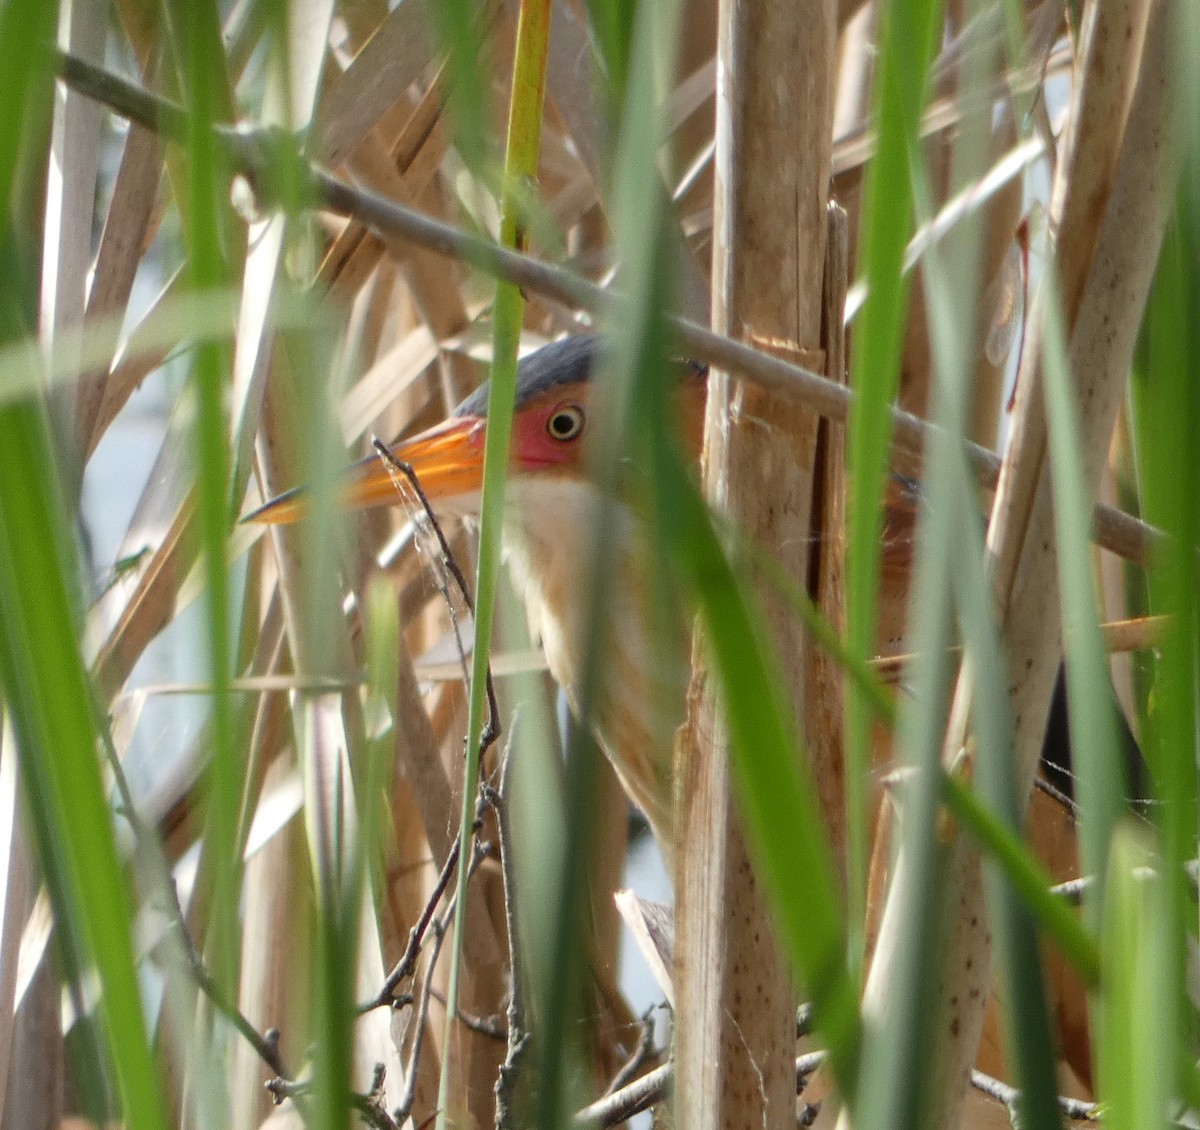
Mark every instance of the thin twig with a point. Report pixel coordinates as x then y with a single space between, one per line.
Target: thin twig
258 155
405 966
146 847
397 468
266 1045
499 802
440 927
402 1111
369 1106
416 936
491 732
1056 794
642 1054
518 1037
493 1027
1075 1109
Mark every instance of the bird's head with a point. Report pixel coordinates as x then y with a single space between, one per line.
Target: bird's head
554 397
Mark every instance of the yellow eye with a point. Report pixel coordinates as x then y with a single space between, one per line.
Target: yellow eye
565 422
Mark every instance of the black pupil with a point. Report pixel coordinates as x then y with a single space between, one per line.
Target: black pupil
563 424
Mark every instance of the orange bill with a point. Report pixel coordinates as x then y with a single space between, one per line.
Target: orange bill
447 459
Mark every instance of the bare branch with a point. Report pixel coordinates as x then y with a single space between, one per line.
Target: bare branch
518 1037
416 936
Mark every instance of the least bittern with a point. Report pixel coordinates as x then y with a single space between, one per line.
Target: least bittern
554 502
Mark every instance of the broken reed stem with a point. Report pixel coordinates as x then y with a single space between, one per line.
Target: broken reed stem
257 155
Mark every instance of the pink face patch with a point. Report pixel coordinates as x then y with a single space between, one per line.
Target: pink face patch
548 434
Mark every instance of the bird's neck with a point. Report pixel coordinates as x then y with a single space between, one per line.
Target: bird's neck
563 537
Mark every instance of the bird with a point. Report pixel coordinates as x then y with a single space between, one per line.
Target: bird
552 506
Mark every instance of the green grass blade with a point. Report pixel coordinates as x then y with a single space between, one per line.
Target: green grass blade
906 37
633 362
42 675
954 287
456 22
613 23
950 564
335 758
25 25
1028 878
521 164
1017 892
1135 1006
900 1044
1102 790
205 213
1167 404
41 670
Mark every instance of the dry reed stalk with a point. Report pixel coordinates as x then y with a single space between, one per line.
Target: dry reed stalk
273 992
126 229
736 1033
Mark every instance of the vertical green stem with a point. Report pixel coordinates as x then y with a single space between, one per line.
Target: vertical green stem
520 166
906 44
198 35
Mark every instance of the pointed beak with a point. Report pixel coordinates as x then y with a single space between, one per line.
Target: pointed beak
447 459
